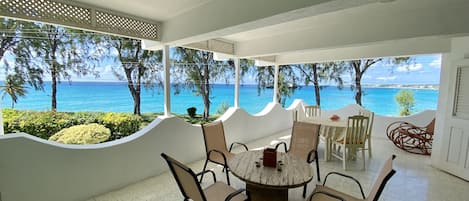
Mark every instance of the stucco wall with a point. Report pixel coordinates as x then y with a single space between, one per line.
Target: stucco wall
32 169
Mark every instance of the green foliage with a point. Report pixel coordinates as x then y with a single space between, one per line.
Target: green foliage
191 112
82 134
14 87
405 99
121 124
139 66
199 72
40 124
45 124
222 108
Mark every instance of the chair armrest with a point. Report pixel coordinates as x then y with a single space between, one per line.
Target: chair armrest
309 160
327 194
233 194
207 171
219 152
284 146
239 143
346 176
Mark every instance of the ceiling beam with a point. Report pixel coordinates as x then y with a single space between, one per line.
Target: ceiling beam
408 47
224 17
365 25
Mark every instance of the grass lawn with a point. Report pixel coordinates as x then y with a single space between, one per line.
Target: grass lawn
150 116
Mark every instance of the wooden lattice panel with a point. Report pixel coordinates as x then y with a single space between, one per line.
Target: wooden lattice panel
46 10
119 24
79 16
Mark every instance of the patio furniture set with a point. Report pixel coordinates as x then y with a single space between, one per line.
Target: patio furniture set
291 168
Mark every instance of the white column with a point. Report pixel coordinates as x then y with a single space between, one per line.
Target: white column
167 81
275 99
237 81
2 132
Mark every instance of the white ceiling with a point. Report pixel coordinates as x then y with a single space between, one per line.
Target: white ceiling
299 30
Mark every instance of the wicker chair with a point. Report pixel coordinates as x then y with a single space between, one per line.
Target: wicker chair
190 188
304 144
324 193
412 138
215 146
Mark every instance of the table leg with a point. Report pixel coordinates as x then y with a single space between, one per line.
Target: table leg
266 194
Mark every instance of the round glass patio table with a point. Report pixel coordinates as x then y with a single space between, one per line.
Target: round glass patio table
269 183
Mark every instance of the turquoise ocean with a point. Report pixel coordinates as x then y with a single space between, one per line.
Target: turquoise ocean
115 97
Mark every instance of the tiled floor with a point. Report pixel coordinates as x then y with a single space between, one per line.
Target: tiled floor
415 179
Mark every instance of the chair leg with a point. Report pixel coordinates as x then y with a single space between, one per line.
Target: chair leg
363 155
304 190
227 175
205 166
344 158
369 146
317 165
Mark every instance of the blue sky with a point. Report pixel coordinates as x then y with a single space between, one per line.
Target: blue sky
424 69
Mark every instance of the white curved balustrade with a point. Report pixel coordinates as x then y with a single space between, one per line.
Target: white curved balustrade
40 170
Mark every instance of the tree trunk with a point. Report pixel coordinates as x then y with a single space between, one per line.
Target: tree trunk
358 94
133 90
316 84
54 88
358 76
206 93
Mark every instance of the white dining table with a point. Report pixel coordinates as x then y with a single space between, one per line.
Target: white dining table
330 131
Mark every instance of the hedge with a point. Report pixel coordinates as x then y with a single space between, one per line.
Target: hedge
45 124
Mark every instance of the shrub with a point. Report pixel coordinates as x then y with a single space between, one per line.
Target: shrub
222 108
405 99
191 111
45 124
121 124
39 124
82 134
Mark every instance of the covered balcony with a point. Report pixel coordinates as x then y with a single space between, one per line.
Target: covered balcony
273 33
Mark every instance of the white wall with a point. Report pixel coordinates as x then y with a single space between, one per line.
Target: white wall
32 169
451 147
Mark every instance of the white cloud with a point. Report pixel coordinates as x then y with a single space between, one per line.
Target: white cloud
409 68
386 78
436 63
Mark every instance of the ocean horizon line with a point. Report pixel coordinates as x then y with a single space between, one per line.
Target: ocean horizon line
411 86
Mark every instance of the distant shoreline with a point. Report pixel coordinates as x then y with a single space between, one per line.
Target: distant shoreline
397 86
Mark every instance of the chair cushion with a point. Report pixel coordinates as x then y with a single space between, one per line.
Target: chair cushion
323 197
219 191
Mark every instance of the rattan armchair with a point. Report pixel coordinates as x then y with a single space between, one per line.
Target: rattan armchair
412 138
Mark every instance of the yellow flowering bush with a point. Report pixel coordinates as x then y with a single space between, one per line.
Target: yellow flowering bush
82 134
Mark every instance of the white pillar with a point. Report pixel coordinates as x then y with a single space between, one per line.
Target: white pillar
275 99
2 132
167 81
237 81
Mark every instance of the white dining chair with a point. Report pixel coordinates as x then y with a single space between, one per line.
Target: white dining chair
353 140
371 116
312 111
